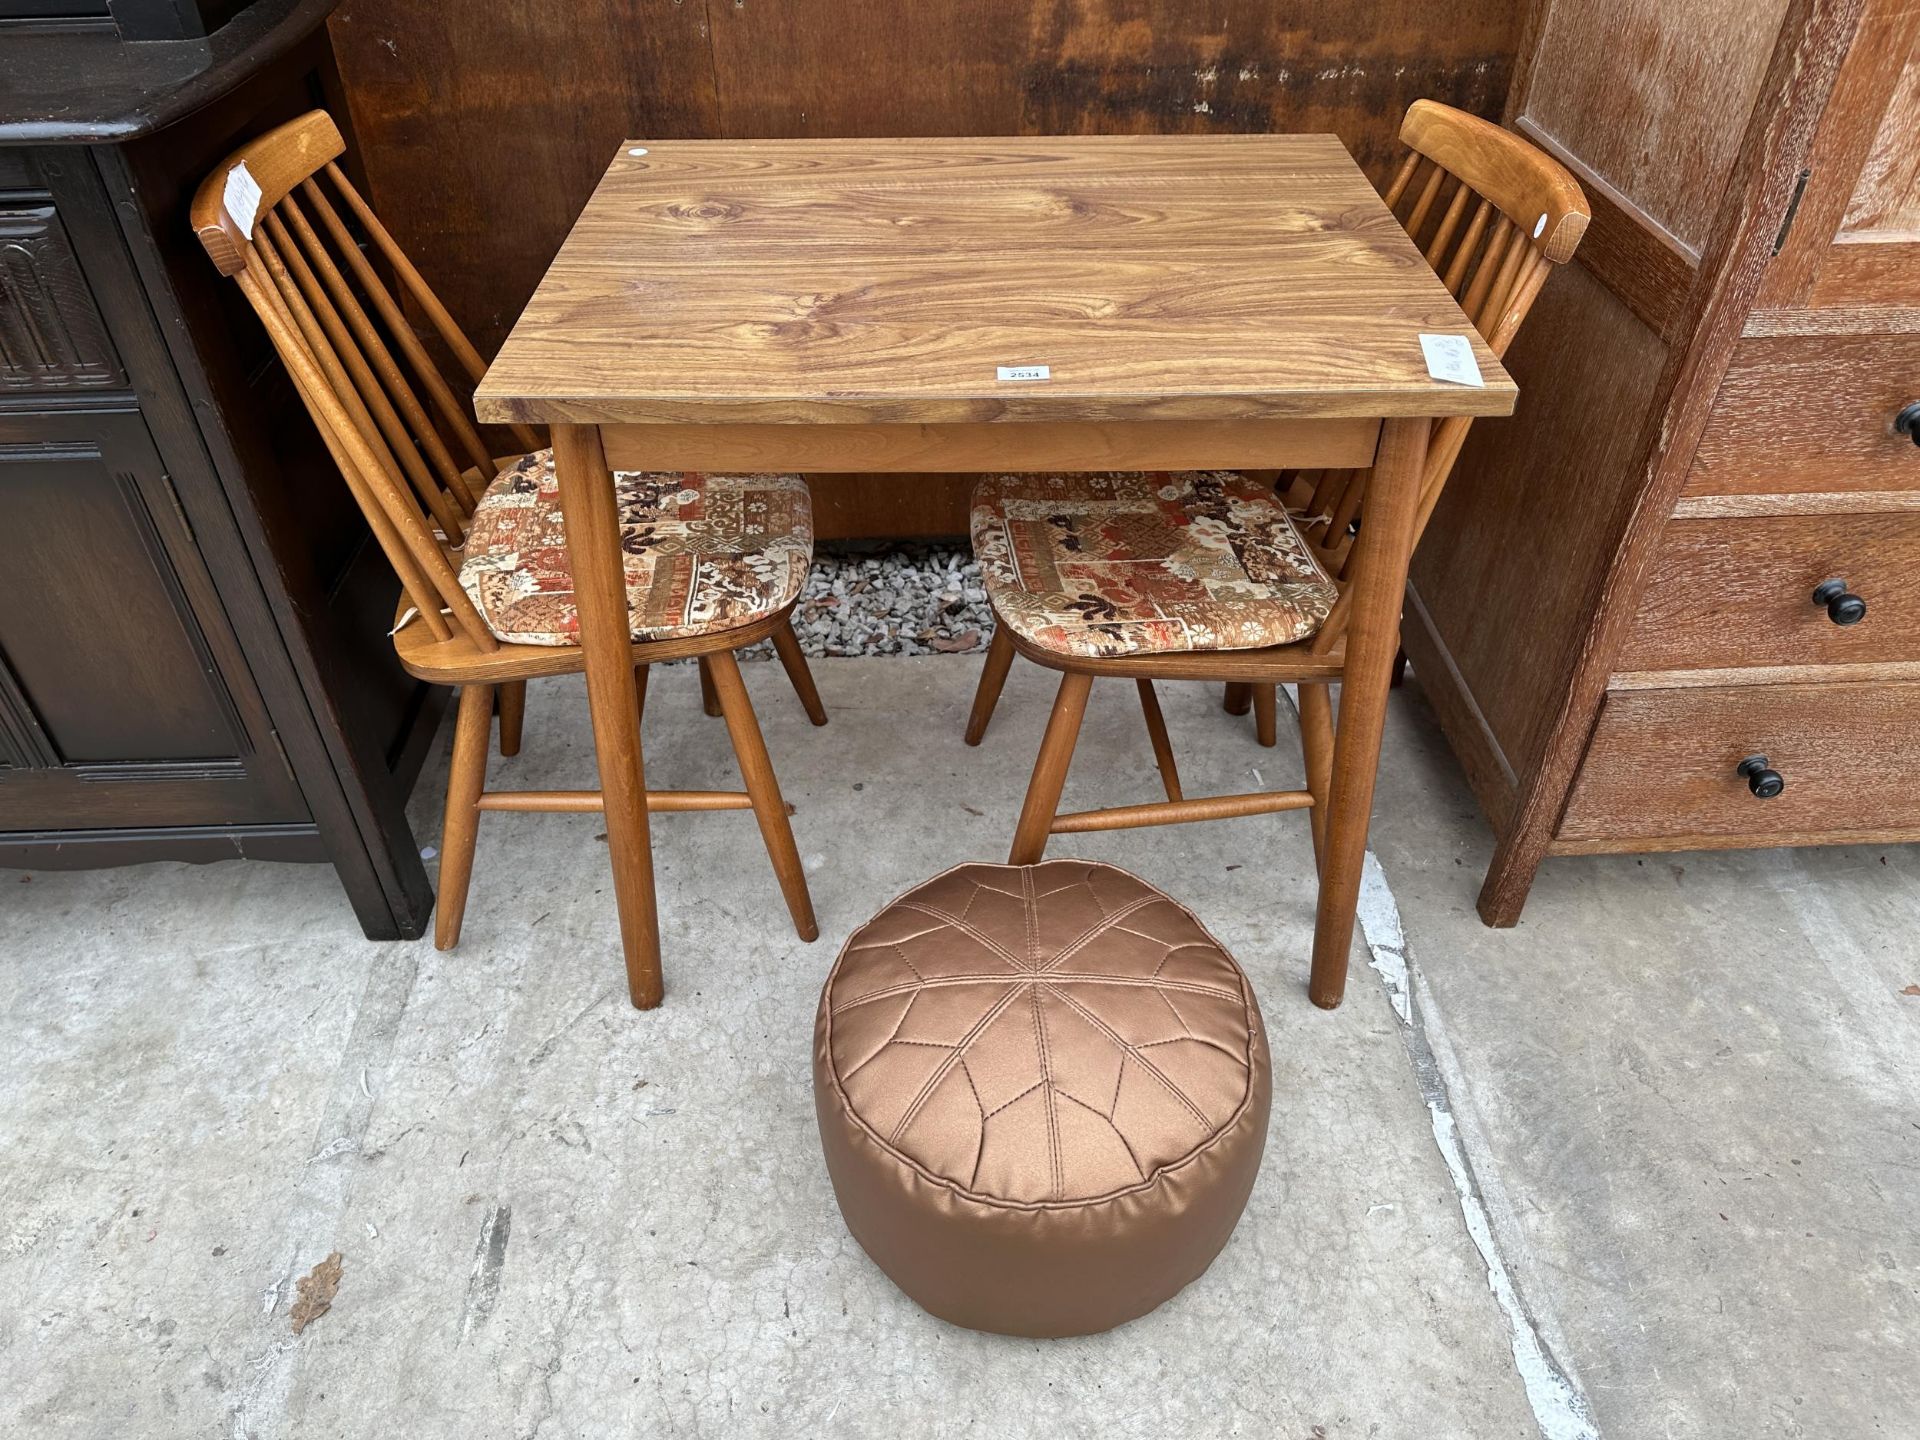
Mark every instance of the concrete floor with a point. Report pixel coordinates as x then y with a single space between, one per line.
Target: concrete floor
1691 1084
1681 1201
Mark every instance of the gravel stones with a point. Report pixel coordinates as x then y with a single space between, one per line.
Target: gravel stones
908 600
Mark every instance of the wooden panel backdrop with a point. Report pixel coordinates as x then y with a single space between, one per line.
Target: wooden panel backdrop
486 123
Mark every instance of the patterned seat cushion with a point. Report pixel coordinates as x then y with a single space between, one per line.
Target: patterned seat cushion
704 552
1146 563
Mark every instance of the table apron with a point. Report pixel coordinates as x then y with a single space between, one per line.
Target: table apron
989 447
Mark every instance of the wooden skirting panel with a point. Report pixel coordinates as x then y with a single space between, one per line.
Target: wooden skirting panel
1488 771
198 845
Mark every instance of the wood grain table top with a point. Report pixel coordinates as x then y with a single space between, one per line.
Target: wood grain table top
888 281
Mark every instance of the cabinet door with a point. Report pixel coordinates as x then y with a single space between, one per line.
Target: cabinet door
1854 241
123 701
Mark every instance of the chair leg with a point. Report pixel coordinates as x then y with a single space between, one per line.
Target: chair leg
993 679
1316 745
1266 714
461 828
1050 770
709 699
1157 733
511 698
1238 699
768 806
786 645
1399 669
640 675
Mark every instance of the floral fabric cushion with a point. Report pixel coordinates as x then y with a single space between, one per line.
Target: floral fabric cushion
1146 563
703 552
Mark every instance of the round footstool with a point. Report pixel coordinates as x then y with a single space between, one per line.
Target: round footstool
1043 1095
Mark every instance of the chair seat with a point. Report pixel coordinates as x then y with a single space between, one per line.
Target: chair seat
704 553
1101 566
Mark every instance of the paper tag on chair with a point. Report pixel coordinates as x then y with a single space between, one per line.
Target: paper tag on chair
1450 358
242 197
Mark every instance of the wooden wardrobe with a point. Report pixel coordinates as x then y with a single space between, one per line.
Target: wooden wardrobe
1613 610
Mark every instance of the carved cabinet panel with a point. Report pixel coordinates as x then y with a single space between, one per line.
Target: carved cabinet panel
51 335
125 701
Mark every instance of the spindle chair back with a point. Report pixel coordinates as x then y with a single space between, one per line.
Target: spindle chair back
1492 215
282 218
331 285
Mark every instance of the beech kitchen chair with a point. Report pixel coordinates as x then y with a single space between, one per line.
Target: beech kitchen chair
714 562
1246 578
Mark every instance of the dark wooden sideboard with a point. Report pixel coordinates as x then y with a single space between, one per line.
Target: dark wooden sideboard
192 661
1614 606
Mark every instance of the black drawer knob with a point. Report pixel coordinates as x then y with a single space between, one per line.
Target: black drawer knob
1843 606
1761 779
1907 422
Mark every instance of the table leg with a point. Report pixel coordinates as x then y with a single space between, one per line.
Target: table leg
1373 639
592 517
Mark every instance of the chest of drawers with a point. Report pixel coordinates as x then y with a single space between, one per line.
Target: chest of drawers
1676 603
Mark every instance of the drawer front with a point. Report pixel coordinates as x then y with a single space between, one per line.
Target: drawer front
1665 764
1799 415
1726 593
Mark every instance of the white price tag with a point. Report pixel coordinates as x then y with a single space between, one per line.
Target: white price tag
242 197
1026 372
1450 358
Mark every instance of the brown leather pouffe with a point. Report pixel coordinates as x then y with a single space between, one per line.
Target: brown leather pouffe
1043 1095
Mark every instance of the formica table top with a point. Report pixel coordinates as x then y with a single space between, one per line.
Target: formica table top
886 281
